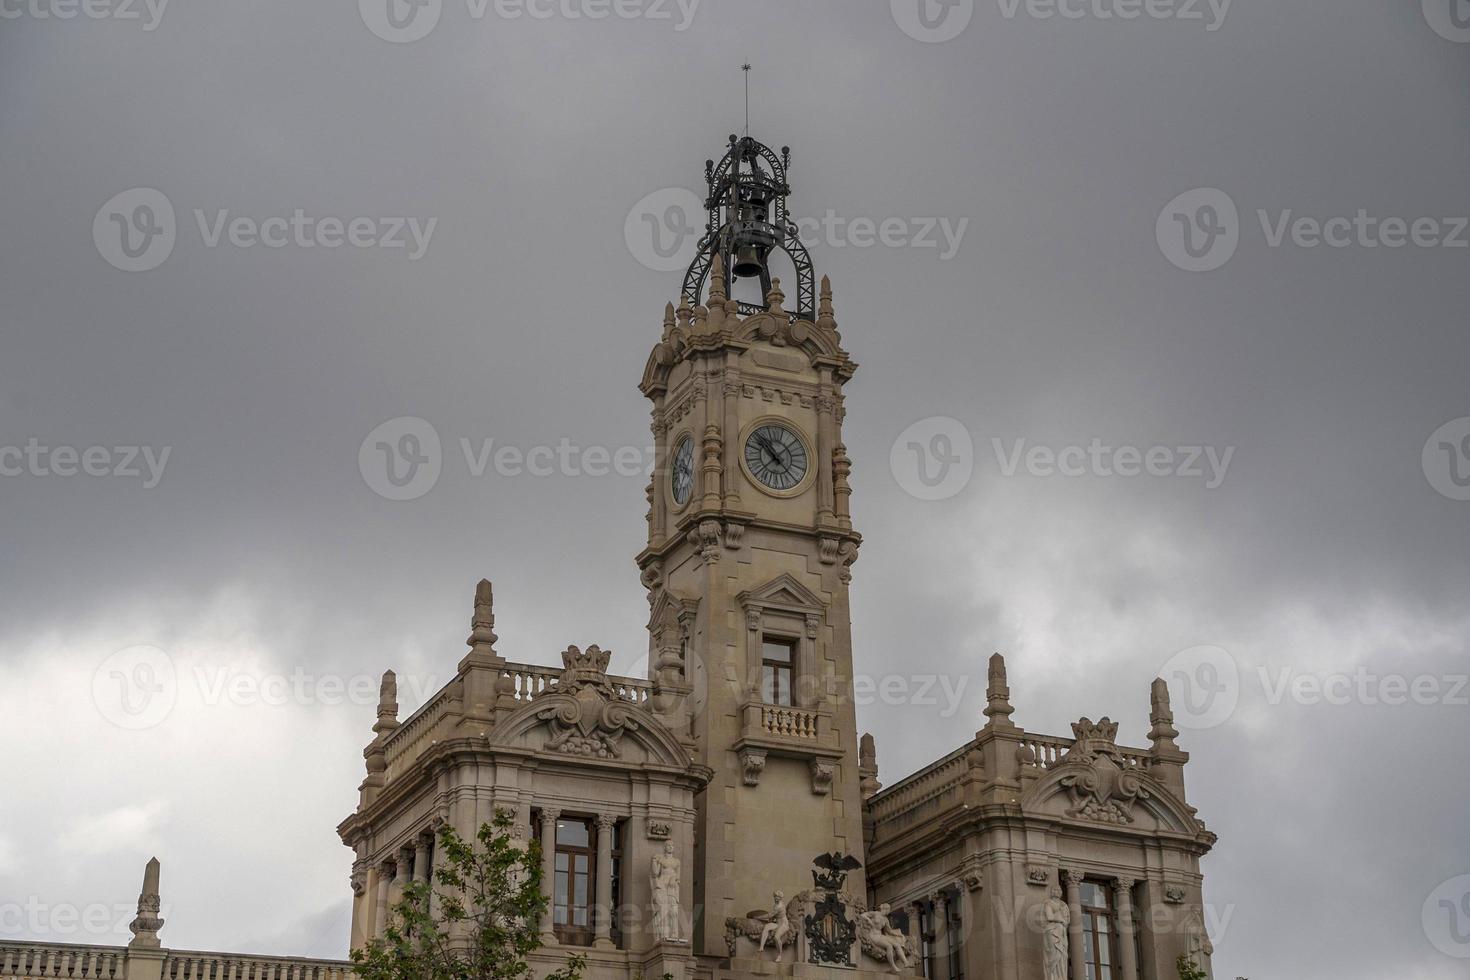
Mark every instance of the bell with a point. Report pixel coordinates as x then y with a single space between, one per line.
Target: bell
750 261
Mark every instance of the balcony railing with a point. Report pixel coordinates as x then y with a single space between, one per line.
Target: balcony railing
789 722
58 961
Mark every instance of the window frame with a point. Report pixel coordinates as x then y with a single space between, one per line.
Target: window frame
568 932
1099 920
770 694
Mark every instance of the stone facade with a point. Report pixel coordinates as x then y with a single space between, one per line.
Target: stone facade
721 818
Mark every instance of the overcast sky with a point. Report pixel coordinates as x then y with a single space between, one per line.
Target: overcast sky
1033 292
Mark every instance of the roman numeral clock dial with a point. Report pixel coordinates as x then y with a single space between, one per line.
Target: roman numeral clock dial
775 457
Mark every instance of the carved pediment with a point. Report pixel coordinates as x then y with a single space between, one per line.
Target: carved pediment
783 591
1096 781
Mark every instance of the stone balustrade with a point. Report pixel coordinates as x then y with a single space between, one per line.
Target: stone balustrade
789 722
66 961
530 680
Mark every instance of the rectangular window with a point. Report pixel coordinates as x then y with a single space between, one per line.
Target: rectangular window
574 864
1099 922
778 669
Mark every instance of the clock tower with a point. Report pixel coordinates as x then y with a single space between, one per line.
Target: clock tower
749 550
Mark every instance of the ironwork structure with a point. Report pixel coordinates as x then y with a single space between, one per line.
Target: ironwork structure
747 221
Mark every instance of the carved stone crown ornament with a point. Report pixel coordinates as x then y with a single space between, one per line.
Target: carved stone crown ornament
1105 789
586 715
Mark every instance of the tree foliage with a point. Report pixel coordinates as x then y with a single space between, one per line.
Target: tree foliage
488 901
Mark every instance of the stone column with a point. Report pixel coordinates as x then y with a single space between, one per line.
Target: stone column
603 908
548 873
941 933
826 444
403 874
421 861
1074 927
382 882
1127 954
916 934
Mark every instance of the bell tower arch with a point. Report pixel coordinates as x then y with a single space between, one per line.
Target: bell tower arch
749 554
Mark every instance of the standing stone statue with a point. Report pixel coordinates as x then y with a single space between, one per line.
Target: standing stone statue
1054 939
666 904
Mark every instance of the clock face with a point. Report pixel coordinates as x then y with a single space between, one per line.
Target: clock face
681 478
776 456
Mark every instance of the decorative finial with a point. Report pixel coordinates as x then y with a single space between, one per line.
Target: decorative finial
146 924
868 766
387 703
668 322
1161 716
998 708
717 281
482 625
825 317
775 298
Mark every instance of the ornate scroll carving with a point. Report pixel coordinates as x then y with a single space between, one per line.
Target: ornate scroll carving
584 711
1105 790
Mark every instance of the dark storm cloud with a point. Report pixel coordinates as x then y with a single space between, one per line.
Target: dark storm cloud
1047 146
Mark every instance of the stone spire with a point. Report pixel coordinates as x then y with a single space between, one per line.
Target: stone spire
868 766
146 924
668 331
825 318
1161 716
775 298
715 312
482 626
387 724
998 708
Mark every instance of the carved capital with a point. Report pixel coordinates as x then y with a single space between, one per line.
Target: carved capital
1076 877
